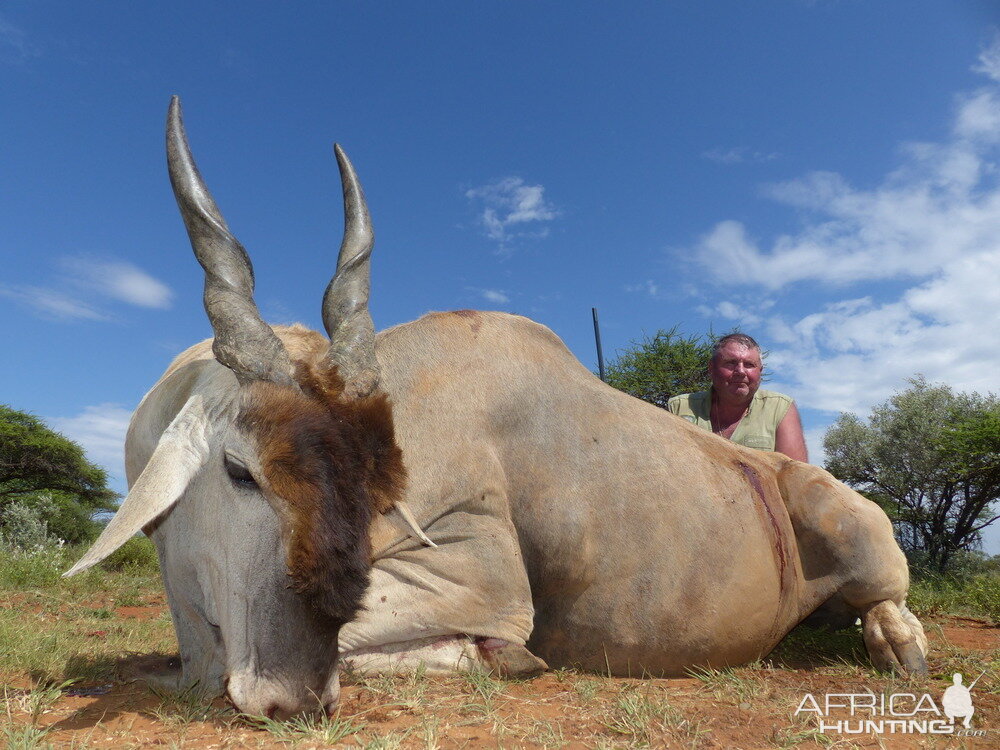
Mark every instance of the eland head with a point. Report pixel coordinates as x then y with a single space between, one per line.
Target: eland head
259 473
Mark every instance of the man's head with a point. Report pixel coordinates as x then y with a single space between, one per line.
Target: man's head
735 367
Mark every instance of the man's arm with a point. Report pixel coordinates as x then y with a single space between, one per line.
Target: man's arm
788 438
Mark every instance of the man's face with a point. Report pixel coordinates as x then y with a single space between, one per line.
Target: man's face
735 372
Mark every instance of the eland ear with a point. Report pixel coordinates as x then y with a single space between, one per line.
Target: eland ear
181 451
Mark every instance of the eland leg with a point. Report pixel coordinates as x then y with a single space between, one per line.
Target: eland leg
895 641
851 563
464 604
445 655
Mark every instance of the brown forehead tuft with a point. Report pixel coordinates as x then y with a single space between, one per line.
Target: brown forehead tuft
333 463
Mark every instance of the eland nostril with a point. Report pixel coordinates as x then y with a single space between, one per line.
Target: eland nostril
280 711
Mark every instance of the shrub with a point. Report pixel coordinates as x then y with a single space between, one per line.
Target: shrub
40 567
138 553
978 596
964 565
984 596
23 524
39 464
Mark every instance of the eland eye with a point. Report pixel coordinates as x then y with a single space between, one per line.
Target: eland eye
239 473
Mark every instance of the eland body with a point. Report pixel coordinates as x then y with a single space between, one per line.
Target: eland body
461 491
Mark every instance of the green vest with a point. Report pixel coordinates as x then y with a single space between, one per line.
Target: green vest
755 430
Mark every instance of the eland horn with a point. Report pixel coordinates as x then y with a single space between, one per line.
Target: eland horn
345 304
243 341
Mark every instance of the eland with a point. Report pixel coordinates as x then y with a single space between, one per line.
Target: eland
460 492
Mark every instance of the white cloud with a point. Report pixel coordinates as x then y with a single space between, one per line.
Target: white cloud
931 227
495 296
940 204
14 43
648 286
119 280
507 205
101 431
989 60
742 314
737 155
52 304
979 116
854 353
78 291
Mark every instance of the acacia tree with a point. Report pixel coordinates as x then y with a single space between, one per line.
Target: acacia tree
931 458
45 471
663 365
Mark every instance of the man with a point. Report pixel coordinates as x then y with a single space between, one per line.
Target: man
737 408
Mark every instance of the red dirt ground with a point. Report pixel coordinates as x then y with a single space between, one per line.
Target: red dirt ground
558 709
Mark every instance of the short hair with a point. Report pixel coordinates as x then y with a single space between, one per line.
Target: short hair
734 338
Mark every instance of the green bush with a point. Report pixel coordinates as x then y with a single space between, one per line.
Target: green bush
930 596
35 568
23 526
43 565
964 565
978 596
984 597
138 553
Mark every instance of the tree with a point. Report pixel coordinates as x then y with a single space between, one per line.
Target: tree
661 366
45 472
931 458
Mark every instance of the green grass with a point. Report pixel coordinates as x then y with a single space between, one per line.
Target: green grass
187 706
984 597
21 569
483 692
138 554
977 596
809 647
81 644
391 741
587 689
482 684
793 736
34 703
307 728
732 684
643 717
404 689
25 738
54 629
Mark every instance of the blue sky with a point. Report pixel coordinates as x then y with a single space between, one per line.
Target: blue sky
823 174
